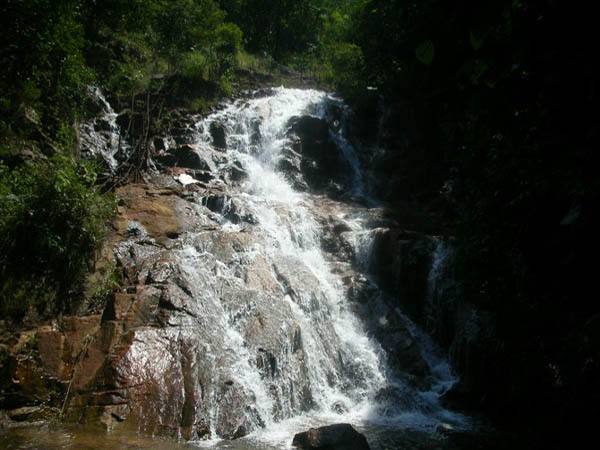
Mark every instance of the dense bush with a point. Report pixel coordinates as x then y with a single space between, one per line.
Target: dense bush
279 28
42 62
53 221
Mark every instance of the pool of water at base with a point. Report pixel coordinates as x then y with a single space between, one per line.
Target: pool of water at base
54 437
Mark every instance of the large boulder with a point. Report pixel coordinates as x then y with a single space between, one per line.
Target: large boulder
217 132
341 436
400 262
314 158
188 156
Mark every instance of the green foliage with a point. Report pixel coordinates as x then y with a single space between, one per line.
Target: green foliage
347 64
225 87
277 27
254 63
131 73
182 38
199 105
195 65
53 220
183 25
42 59
102 286
228 38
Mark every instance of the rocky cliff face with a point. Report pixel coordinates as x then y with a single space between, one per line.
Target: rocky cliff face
253 290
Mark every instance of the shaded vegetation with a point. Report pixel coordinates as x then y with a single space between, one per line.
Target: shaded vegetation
52 223
495 107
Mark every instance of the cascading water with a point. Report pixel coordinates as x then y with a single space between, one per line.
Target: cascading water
332 339
321 365
101 137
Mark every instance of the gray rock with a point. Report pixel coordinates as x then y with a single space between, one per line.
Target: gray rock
314 156
340 436
25 413
218 135
187 156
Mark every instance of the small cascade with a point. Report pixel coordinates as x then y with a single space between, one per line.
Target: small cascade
100 137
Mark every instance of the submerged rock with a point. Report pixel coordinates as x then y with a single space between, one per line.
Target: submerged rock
341 436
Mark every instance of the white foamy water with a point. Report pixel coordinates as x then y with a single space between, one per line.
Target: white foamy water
344 370
101 137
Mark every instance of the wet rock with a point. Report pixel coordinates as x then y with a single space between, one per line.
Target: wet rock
236 172
228 208
217 131
26 413
187 156
360 289
136 230
400 262
334 239
266 363
102 124
406 355
290 164
183 135
203 176
333 437
256 136
314 156
160 144
92 104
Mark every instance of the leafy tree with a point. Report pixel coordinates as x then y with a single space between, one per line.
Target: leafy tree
42 60
277 27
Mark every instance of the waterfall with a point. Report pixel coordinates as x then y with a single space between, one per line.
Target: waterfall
333 340
318 362
267 318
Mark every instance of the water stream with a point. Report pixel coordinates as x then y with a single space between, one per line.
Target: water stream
348 375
